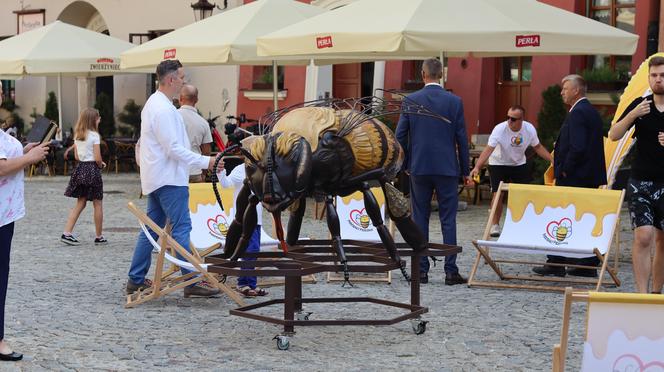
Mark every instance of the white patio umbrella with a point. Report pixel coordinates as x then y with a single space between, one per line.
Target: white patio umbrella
227 38
60 49
392 29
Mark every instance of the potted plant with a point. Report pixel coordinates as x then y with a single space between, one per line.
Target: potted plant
603 79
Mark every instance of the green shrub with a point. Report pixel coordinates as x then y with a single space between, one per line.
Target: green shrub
604 74
51 110
131 115
105 107
550 119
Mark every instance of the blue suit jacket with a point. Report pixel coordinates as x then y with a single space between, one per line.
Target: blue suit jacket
579 150
431 144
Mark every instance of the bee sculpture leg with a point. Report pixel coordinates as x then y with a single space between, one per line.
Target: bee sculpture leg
373 210
295 223
235 229
398 208
249 222
335 231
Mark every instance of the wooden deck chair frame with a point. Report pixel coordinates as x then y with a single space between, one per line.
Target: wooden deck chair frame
560 349
161 285
335 277
484 253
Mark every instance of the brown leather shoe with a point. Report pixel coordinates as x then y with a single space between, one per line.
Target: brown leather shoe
453 279
200 290
133 287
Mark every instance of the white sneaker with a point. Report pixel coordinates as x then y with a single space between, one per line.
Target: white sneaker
495 231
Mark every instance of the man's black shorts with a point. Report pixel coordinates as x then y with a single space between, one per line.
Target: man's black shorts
646 203
508 173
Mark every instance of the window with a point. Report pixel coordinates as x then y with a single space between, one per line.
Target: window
263 77
620 14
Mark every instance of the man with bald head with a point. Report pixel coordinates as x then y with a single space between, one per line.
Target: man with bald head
198 129
436 157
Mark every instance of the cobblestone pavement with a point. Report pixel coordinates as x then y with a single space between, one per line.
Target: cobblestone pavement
65 308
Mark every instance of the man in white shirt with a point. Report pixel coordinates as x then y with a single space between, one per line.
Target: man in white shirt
506 152
198 129
165 160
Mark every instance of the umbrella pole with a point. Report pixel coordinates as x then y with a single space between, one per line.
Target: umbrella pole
60 134
443 62
275 84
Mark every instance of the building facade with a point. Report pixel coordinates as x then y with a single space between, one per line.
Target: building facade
487 86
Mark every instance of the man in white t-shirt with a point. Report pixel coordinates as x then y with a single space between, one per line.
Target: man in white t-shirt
506 152
198 129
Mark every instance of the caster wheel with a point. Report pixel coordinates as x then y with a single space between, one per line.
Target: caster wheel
283 343
303 315
419 326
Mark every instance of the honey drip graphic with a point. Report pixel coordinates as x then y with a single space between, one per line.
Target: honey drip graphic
597 202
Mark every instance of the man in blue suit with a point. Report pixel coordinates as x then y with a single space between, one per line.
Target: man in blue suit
578 161
436 155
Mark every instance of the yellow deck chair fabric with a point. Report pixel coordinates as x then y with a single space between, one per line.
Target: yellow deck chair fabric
562 221
354 220
624 332
209 223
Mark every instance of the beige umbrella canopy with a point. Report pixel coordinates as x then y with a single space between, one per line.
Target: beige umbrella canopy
392 29
60 49
228 38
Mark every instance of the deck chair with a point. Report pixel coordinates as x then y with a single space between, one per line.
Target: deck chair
624 332
356 225
167 250
209 223
561 221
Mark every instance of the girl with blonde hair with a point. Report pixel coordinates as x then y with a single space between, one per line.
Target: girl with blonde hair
85 182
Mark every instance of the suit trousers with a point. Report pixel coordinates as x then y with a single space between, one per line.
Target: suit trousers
6 234
421 192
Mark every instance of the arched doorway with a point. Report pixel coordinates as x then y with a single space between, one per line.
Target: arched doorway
85 15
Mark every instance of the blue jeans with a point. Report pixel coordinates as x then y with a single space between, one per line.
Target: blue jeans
421 192
254 246
170 202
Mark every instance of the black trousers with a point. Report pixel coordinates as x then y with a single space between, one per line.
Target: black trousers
6 234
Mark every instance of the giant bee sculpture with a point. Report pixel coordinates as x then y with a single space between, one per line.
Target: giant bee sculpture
322 149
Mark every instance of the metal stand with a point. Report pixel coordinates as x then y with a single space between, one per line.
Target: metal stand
315 256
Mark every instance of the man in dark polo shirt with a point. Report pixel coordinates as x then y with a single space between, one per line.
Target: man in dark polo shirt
646 185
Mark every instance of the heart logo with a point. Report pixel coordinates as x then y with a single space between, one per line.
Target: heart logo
359 218
559 230
218 226
631 362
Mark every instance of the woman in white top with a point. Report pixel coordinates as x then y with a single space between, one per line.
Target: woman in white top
85 182
13 158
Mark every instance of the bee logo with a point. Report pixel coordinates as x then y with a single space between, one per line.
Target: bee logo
359 219
559 231
517 140
218 226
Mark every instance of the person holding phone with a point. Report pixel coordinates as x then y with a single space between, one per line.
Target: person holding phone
506 153
13 158
646 183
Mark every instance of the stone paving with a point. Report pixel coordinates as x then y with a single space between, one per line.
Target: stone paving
65 308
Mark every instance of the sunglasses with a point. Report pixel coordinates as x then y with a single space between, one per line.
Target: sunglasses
512 119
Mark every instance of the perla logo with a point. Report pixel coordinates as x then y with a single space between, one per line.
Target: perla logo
557 232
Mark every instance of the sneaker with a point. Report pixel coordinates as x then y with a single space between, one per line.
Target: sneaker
133 287
101 240
69 239
200 290
495 231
